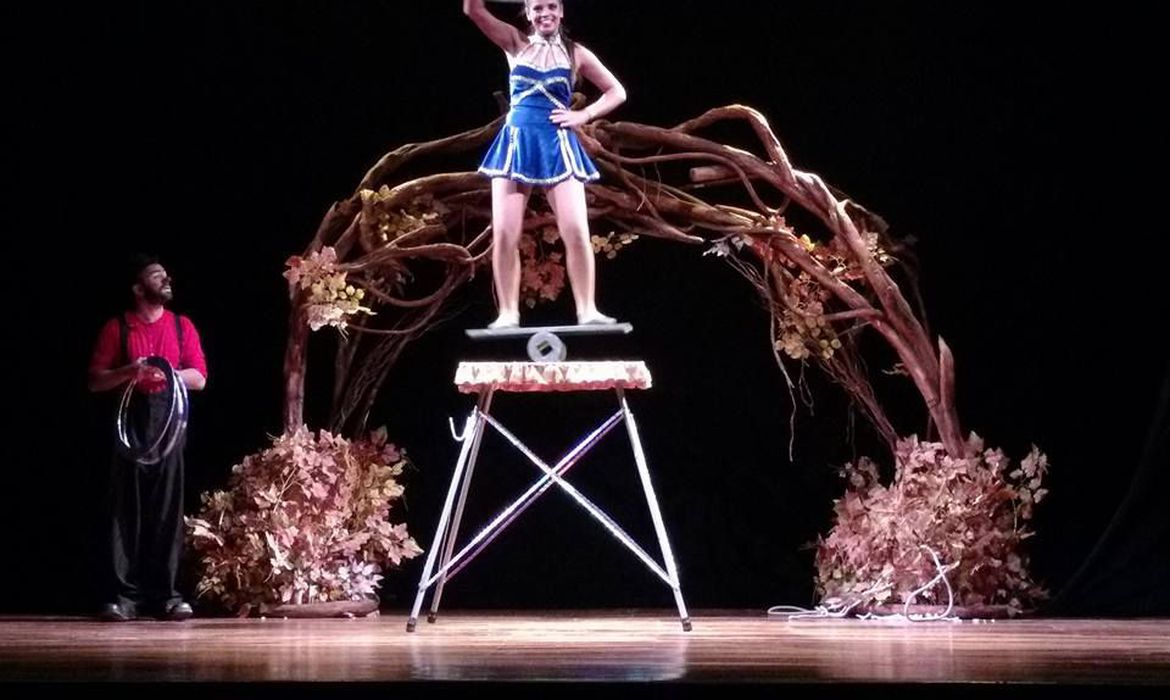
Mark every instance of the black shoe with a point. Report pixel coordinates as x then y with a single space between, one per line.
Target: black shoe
178 610
117 612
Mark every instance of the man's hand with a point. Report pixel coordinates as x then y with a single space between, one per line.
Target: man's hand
148 374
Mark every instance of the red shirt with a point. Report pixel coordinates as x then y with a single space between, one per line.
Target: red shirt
149 339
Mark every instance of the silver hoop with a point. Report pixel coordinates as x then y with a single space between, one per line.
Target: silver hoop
172 431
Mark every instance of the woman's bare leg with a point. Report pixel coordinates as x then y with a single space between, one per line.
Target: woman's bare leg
509 201
567 200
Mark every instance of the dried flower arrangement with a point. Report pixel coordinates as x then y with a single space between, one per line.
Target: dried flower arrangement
971 513
304 521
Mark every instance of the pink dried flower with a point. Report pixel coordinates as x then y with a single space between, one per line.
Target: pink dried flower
305 520
971 512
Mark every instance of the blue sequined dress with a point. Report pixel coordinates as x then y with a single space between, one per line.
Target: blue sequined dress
530 148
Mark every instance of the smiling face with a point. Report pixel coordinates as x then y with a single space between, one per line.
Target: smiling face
544 15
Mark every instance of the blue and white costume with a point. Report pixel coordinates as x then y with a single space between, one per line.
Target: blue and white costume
530 148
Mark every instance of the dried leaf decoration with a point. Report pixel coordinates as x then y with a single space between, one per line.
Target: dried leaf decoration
331 299
306 520
972 512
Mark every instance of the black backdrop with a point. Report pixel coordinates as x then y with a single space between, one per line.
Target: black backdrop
1010 142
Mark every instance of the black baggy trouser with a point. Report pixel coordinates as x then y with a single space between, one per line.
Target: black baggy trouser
145 517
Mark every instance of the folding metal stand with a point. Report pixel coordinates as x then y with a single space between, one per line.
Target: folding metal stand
444 562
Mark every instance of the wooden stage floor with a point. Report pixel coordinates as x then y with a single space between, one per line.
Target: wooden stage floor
725 650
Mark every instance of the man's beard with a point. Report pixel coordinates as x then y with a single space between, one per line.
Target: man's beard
157 296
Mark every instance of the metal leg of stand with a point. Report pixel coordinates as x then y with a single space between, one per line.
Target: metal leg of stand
484 407
655 513
471 427
506 516
588 506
